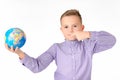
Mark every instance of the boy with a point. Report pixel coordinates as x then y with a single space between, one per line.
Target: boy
73 57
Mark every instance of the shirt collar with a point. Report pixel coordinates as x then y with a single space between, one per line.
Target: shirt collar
71 42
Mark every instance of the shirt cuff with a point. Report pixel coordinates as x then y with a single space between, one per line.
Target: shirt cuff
25 59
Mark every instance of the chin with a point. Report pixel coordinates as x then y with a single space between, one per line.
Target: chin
71 39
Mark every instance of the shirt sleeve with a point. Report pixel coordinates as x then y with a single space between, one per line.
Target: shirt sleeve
101 41
41 62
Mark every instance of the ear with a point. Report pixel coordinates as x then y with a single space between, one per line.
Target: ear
83 27
61 28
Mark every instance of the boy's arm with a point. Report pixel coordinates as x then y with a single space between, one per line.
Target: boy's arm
41 62
96 41
35 64
102 40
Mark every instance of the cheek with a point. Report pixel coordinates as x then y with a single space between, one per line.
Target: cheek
64 31
79 29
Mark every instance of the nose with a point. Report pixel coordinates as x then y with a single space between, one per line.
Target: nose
70 29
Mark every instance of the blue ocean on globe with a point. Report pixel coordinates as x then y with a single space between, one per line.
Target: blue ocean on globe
15 37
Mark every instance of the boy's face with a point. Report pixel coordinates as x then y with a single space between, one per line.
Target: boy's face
69 25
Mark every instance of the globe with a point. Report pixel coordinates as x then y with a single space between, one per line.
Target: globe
15 37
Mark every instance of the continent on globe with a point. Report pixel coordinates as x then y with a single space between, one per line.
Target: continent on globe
15 37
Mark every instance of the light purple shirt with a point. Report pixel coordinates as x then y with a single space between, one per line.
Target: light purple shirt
73 58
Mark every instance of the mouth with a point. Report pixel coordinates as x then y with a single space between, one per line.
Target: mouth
69 34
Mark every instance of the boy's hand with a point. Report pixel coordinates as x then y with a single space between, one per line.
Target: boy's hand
81 35
19 52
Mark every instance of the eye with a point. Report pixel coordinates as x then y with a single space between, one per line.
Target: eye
65 26
74 25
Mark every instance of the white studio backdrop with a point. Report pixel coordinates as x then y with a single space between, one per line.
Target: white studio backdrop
40 21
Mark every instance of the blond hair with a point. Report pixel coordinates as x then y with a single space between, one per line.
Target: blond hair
71 12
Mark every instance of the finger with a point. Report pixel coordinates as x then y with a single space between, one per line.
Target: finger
16 49
6 46
12 49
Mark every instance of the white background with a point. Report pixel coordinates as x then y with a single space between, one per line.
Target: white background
40 21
